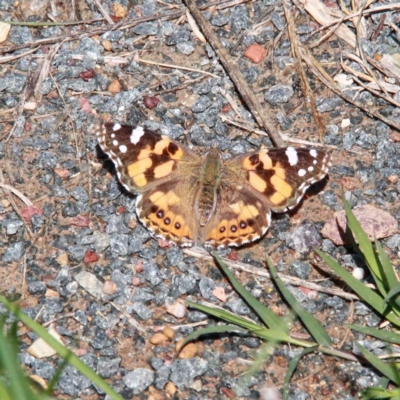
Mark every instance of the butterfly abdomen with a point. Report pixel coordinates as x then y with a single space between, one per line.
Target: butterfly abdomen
208 187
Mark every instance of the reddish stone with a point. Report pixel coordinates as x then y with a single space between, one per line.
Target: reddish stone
29 211
255 53
150 101
86 75
80 220
90 257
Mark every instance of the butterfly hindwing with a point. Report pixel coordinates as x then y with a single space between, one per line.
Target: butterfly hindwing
240 217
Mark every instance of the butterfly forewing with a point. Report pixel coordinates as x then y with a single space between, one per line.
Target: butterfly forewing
281 176
142 157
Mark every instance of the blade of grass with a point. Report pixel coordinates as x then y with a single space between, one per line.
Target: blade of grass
291 368
366 294
366 248
61 350
226 316
253 328
265 314
390 337
18 383
392 295
212 330
391 277
261 357
388 270
56 376
312 324
390 371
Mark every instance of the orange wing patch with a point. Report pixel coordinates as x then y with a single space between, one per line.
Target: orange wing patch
163 217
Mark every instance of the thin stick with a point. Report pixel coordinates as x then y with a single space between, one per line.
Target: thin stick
103 11
20 195
122 25
137 59
324 77
204 255
236 76
14 204
7 59
305 86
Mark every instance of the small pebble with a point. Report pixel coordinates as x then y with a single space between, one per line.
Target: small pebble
358 273
189 351
109 287
158 338
255 53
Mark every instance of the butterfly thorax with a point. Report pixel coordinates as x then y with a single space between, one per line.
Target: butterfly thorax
209 183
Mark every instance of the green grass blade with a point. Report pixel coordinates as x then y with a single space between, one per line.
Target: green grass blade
56 376
4 392
291 368
366 294
212 330
61 350
18 383
392 295
226 316
265 314
389 337
261 357
312 324
366 248
253 328
390 371
377 393
388 270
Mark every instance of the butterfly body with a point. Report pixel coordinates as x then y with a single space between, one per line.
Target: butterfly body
188 198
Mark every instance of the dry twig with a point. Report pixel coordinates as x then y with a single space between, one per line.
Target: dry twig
305 86
325 78
236 76
204 255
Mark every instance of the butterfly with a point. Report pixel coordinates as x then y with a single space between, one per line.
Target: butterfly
192 199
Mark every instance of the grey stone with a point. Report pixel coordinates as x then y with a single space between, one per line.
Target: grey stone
119 244
37 287
108 368
300 269
146 28
183 372
14 252
202 103
142 311
279 94
206 286
304 238
139 379
185 47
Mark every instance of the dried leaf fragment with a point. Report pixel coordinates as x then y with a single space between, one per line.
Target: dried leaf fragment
4 30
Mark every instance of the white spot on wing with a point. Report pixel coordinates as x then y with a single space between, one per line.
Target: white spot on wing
302 172
115 142
315 162
112 135
123 148
116 127
311 169
136 134
314 153
291 153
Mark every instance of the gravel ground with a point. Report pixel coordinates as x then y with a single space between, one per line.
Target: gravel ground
72 251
